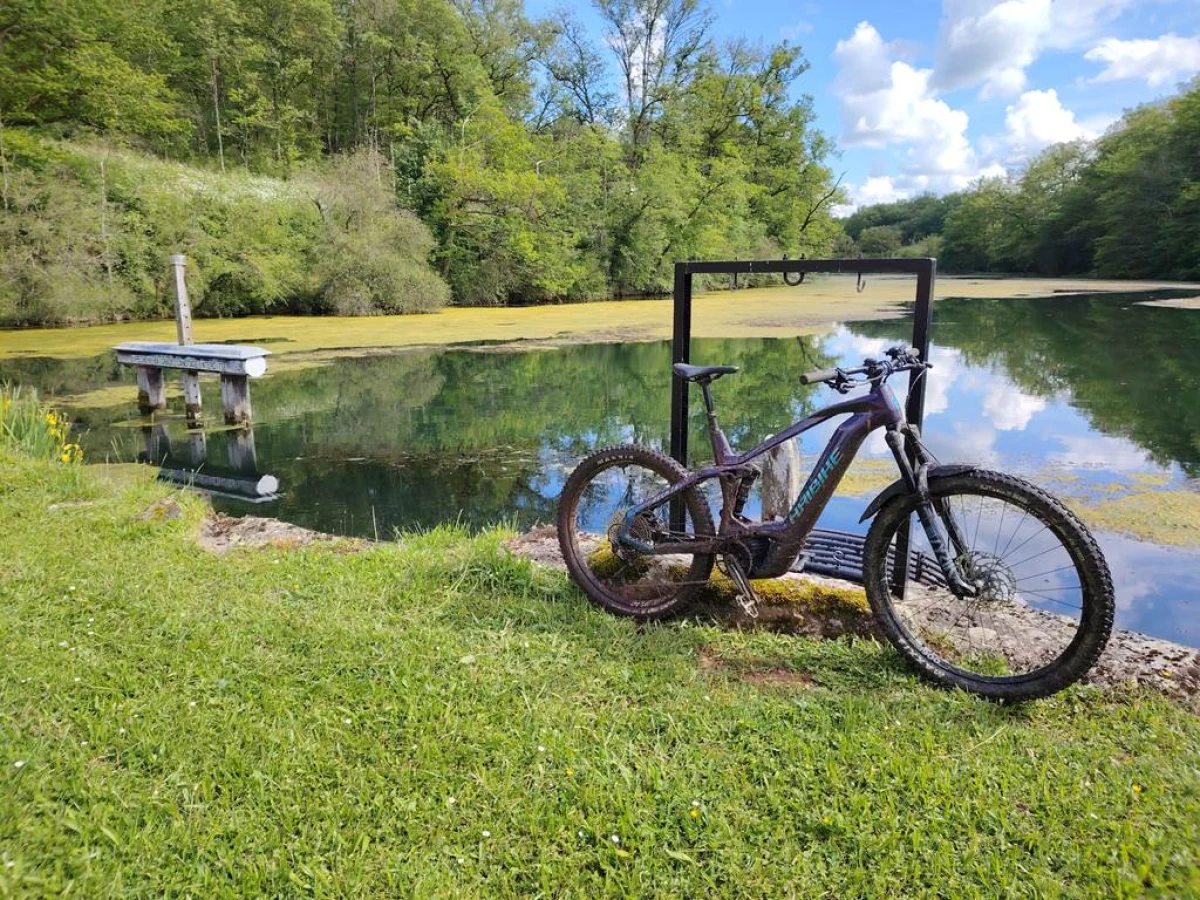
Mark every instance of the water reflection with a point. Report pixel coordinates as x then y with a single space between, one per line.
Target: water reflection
1126 367
186 462
1078 388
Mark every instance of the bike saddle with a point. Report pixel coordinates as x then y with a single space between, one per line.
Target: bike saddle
698 373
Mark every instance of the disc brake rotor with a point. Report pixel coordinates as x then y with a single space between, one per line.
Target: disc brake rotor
993 579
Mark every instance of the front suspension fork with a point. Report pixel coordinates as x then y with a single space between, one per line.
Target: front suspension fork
917 481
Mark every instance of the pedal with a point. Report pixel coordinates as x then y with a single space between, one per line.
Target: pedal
746 598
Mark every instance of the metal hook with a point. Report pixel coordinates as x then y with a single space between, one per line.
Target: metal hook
787 280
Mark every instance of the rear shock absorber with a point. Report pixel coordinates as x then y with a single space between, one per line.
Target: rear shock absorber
743 492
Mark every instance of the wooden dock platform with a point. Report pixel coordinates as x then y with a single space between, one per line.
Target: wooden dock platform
235 363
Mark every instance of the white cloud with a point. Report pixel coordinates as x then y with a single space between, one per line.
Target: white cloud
876 189
1037 120
1156 62
967 444
1101 452
796 30
1010 409
989 43
886 101
993 43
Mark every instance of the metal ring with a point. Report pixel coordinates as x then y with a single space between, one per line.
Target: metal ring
862 283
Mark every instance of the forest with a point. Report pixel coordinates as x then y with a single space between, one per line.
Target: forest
388 156
1126 205
349 157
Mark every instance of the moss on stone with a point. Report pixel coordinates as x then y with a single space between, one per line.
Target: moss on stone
606 564
797 594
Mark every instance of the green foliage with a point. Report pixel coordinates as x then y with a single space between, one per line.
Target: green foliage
502 134
879 240
31 427
914 219
371 257
90 227
440 718
1124 206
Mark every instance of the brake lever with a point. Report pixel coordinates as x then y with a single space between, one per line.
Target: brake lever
843 383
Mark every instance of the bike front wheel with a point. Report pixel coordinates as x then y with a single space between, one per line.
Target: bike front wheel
1042 605
593 508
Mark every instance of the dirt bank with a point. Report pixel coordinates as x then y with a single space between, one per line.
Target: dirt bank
1130 658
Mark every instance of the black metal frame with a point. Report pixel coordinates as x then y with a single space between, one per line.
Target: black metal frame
925 271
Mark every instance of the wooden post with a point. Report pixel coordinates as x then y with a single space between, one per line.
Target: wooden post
183 309
780 480
191 398
151 396
235 398
156 443
241 452
198 446
183 327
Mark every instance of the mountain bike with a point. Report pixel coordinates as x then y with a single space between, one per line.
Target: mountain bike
1020 604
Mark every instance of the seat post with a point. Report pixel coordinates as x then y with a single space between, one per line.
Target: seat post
709 409
720 443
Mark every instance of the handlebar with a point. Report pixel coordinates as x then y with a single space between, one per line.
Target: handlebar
822 375
899 359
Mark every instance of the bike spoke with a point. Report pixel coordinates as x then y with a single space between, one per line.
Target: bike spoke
1017 622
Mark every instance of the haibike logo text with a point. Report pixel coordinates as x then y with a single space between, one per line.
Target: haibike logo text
819 478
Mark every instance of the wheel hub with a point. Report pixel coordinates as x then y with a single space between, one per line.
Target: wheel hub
644 528
989 576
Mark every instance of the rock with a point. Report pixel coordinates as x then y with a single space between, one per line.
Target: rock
161 510
220 534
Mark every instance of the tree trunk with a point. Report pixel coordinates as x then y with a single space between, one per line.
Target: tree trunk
217 112
107 256
780 480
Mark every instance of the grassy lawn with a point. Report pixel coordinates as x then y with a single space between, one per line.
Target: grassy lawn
440 720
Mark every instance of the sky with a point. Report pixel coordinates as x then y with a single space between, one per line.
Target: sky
926 96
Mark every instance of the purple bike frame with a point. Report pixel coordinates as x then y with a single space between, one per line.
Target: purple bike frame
878 408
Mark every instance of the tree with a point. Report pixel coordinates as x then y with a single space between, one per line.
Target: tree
879 240
656 44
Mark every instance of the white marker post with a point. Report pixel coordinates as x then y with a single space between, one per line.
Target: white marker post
183 327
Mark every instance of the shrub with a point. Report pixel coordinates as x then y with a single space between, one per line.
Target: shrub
29 426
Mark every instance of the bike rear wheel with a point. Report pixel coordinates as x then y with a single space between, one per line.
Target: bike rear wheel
593 507
1044 605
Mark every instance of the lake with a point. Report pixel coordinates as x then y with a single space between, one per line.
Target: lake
1094 397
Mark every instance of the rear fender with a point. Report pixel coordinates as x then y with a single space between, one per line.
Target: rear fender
898 488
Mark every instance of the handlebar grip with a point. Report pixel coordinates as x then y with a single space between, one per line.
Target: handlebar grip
815 377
